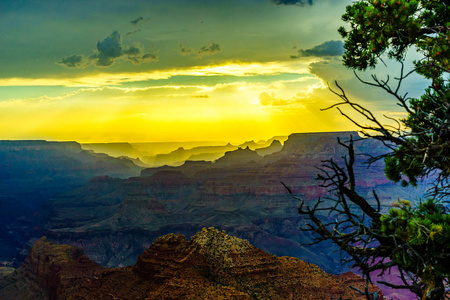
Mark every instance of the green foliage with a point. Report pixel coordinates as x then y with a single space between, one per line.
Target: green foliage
424 233
391 27
414 239
401 164
429 147
430 113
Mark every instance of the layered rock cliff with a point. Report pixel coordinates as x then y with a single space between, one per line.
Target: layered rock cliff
49 271
241 156
32 172
212 265
275 146
111 218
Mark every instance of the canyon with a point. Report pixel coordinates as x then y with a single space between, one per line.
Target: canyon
212 265
32 172
114 210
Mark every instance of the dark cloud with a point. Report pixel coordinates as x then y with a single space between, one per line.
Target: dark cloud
329 48
73 61
132 32
200 96
131 51
291 2
148 57
144 58
184 50
137 57
137 20
108 51
209 50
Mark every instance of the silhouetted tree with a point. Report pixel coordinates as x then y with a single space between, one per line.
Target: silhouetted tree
421 141
414 239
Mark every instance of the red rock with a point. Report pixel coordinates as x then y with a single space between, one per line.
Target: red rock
212 265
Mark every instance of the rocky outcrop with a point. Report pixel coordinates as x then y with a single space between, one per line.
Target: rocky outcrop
189 168
251 145
179 156
275 146
241 156
48 271
212 265
316 143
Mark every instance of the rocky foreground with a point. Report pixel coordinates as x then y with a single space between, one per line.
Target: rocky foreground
212 265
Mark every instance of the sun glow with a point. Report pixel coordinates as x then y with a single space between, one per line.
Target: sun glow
186 71
98 79
140 107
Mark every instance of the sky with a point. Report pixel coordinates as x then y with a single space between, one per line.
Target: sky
149 71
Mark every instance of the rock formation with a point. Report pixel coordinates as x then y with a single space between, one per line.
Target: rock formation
241 156
189 168
32 172
110 218
180 155
212 265
275 146
114 149
115 220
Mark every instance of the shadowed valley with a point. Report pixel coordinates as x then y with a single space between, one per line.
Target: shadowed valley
114 210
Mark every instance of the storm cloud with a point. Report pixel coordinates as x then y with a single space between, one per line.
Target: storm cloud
73 61
291 2
184 50
329 48
139 20
148 57
209 50
136 21
132 32
108 51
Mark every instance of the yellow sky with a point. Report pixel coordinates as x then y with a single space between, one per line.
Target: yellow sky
101 111
172 71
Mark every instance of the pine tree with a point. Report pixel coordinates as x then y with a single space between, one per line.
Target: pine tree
412 238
